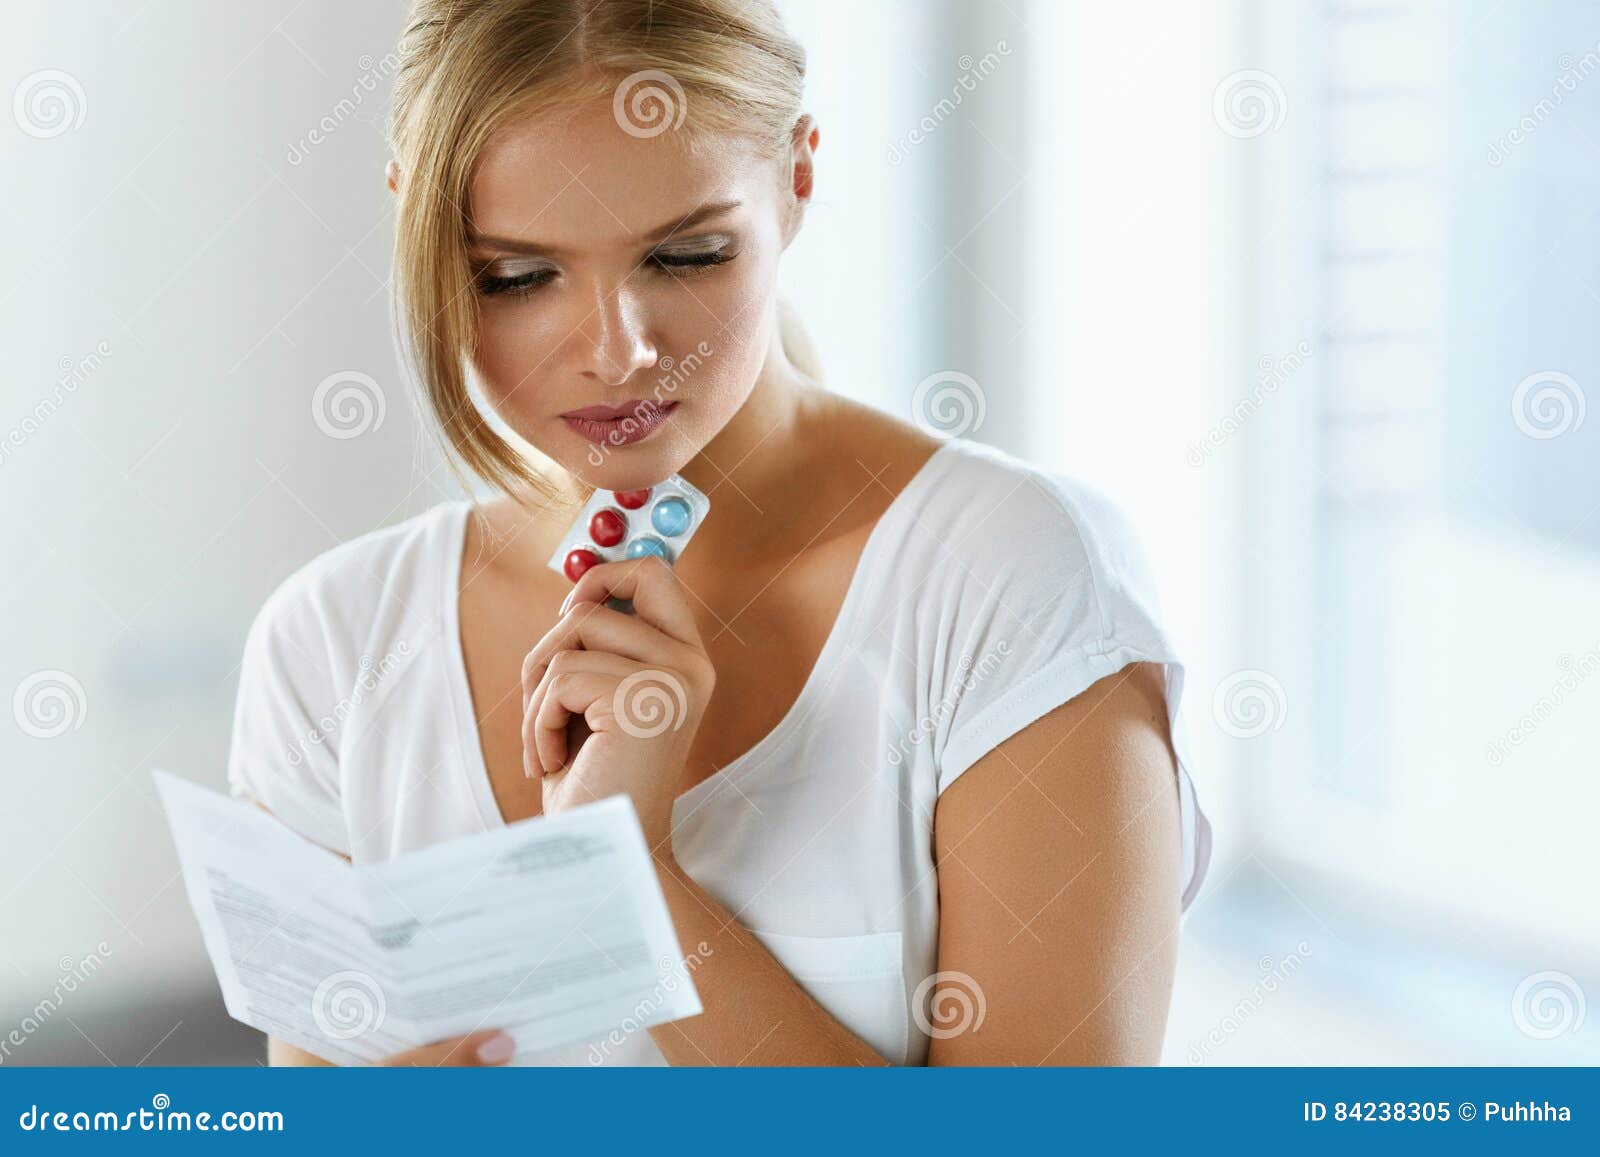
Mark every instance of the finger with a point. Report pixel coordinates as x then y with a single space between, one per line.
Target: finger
487 1047
563 662
590 627
659 598
567 695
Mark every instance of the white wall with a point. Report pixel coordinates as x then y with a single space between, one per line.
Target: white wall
191 286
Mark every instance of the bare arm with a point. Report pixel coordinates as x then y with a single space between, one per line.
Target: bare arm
755 1012
1058 858
1058 881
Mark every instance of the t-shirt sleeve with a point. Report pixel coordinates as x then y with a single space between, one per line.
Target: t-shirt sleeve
283 751
1056 593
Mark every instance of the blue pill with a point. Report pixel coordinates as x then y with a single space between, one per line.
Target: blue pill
640 547
670 516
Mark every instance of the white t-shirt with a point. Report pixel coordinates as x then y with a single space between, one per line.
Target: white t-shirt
988 593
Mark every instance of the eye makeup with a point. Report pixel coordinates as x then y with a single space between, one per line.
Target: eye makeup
678 260
516 277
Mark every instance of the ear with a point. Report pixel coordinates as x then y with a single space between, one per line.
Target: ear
392 175
803 144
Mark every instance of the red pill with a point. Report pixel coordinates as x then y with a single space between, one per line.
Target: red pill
608 527
578 561
631 499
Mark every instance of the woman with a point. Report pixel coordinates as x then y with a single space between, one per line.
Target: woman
921 803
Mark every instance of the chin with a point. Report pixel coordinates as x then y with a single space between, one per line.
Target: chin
627 467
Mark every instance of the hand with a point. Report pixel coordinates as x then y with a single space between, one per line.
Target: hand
639 682
488 1047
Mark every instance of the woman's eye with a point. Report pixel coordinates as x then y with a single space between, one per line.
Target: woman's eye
490 283
687 264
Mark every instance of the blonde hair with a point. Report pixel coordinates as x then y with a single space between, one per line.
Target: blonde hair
467 67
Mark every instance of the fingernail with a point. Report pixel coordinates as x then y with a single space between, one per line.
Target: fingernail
566 602
497 1049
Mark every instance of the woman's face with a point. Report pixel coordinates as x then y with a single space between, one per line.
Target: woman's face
626 286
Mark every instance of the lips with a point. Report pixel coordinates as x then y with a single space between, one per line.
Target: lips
619 425
613 413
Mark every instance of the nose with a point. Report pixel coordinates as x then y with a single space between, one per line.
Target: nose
615 338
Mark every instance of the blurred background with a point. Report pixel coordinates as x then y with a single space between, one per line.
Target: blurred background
1309 288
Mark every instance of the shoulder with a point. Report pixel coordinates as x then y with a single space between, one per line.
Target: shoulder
987 482
352 591
1013 589
324 640
997 528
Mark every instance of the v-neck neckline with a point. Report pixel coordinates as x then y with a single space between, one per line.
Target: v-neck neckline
459 688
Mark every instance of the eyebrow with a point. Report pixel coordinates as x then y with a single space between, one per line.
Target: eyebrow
695 217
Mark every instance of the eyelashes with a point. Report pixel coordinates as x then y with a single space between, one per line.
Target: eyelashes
522 284
678 266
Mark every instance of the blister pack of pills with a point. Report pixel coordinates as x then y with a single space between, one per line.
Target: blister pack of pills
620 524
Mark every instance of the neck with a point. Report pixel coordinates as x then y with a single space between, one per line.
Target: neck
749 468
